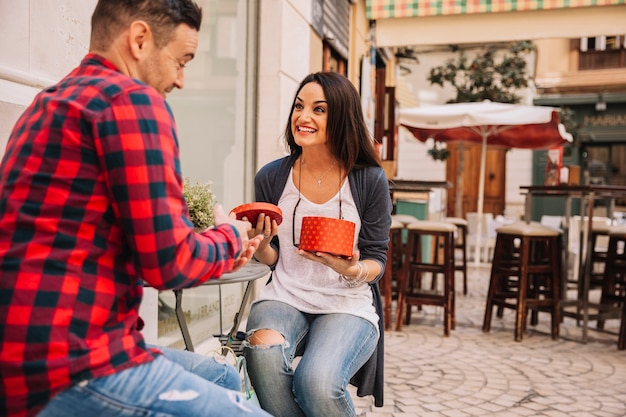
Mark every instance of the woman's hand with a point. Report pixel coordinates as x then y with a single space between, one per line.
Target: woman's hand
343 266
267 228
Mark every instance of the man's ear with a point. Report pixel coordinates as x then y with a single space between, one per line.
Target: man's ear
140 38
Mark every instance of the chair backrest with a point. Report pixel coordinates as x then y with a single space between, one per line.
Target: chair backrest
555 222
575 229
472 223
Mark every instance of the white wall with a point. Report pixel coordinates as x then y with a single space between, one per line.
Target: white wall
41 41
285 39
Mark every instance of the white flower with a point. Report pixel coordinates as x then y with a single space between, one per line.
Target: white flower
200 202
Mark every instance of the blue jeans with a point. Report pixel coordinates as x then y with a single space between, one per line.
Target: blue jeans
180 383
211 368
337 345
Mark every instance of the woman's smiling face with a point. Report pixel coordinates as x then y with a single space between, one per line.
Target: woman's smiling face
310 116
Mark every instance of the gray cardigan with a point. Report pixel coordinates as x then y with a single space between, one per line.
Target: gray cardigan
367 185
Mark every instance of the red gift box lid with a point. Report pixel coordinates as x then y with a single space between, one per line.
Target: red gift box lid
252 210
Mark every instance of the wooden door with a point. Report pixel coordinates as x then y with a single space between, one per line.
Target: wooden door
495 178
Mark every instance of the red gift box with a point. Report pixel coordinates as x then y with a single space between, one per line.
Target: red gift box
325 234
252 210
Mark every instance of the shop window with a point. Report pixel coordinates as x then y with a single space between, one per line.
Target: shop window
331 21
333 61
601 52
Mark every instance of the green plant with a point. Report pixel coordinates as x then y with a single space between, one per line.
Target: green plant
491 75
438 152
200 202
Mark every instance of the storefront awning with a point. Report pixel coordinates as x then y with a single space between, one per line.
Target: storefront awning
443 22
383 9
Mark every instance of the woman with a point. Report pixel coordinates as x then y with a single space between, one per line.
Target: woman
319 306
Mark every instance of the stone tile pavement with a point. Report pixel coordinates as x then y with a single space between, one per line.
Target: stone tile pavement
472 373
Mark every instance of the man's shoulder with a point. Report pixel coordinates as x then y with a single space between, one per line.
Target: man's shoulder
99 81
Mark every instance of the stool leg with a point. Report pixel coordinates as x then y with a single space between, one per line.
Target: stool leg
447 275
448 258
556 286
386 286
621 341
522 311
463 232
493 285
403 283
608 284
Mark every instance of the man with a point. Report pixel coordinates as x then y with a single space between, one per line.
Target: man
90 207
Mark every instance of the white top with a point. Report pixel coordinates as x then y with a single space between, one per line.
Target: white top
309 286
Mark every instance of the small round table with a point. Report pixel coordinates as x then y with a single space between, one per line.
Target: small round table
248 273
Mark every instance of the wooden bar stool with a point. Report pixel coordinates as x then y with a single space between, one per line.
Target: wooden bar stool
614 283
525 274
621 340
389 283
599 236
405 219
460 244
439 264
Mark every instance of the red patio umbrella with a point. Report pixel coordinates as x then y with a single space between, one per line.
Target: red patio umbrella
488 123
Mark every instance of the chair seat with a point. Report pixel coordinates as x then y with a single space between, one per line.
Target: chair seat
396 224
617 231
432 226
404 218
527 229
457 221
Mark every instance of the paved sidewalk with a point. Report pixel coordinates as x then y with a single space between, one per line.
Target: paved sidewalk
472 373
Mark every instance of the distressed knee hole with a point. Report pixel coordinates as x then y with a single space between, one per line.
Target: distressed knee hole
266 337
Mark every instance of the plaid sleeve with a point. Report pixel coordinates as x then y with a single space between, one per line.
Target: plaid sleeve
137 142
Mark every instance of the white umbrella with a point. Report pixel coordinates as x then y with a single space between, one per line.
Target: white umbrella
502 124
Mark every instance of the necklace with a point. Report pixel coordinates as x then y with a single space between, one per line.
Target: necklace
319 179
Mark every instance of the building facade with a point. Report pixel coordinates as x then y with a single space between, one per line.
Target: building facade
568 35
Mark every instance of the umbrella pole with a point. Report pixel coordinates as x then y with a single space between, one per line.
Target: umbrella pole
481 195
458 199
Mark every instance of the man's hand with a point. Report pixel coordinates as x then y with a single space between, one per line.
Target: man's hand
250 245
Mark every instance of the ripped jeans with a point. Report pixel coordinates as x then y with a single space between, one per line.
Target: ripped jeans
178 383
337 346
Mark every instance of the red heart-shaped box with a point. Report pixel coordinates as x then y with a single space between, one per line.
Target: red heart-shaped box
252 211
325 234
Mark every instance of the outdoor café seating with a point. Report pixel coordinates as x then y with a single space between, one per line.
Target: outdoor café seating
613 298
460 247
389 284
487 236
525 275
424 236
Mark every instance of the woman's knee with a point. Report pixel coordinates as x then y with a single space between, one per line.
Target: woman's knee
265 337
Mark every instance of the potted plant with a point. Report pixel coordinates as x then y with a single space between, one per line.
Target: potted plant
200 202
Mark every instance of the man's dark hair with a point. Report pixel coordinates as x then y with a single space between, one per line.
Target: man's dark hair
163 16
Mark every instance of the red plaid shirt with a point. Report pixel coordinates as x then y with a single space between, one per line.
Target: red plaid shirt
90 204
